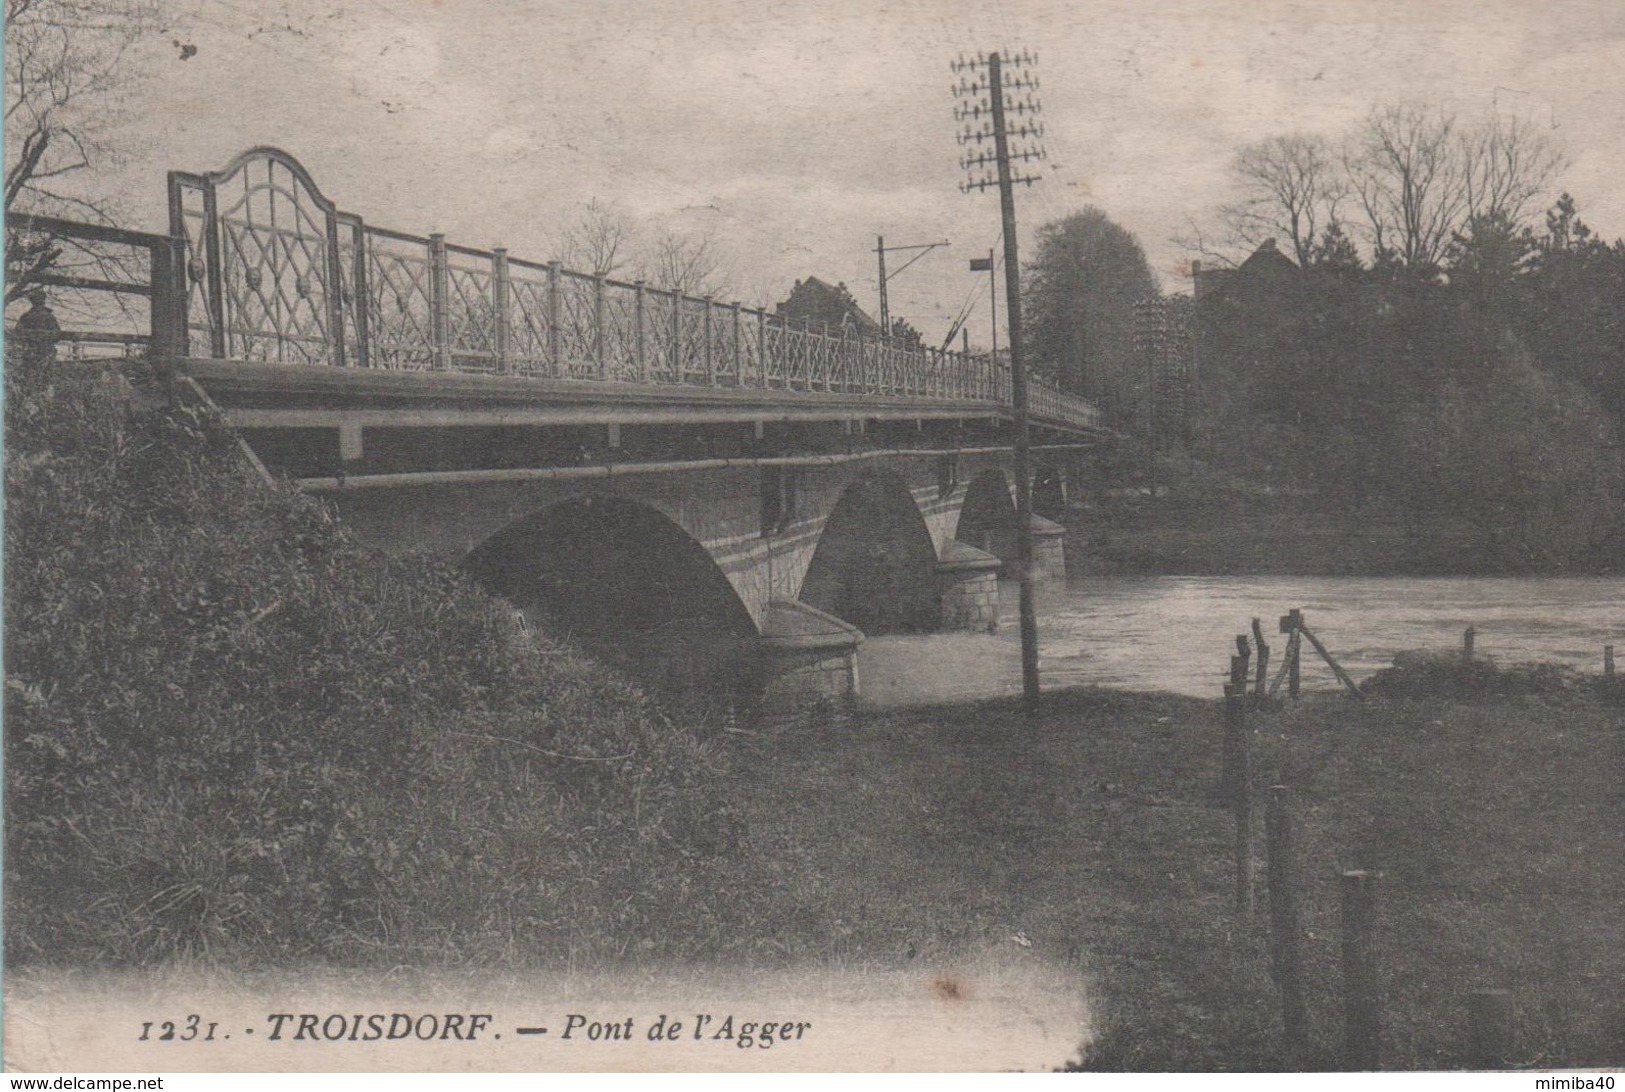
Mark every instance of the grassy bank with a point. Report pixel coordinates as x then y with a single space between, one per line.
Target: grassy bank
234 737
1093 840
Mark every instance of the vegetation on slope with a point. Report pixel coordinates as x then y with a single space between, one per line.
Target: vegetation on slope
234 735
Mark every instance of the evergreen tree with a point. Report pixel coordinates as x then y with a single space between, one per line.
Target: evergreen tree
1081 288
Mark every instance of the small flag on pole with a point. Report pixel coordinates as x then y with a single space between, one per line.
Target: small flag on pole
981 265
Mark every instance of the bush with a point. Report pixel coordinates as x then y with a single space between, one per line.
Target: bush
1427 674
234 734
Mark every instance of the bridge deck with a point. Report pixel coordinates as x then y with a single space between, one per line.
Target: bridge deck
262 395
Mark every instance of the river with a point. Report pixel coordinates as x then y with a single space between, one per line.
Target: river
1176 633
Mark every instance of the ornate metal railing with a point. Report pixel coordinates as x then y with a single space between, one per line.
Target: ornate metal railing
275 272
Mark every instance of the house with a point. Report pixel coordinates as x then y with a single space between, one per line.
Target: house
817 303
1266 268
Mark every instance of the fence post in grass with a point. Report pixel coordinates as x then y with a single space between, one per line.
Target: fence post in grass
1361 1019
1259 691
1608 662
1467 643
1290 624
1489 1028
1241 792
1234 728
1285 937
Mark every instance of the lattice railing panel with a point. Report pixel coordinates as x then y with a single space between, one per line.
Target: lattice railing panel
578 328
530 323
659 339
272 271
471 321
621 335
400 312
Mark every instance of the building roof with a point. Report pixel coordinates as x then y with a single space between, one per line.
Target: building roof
816 302
1265 264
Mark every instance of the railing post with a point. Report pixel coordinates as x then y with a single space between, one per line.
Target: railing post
555 335
761 349
823 350
739 355
784 350
705 339
639 347
166 271
499 306
439 290
363 296
599 341
679 367
842 363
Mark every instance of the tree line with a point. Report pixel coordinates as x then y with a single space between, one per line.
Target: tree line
1403 321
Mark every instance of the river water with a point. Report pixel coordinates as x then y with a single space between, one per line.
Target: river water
1177 633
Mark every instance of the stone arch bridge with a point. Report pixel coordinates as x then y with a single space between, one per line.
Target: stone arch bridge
693 487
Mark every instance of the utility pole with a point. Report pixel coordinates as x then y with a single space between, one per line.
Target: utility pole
990 93
882 250
885 312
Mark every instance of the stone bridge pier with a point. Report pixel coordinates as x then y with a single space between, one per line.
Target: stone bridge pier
759 576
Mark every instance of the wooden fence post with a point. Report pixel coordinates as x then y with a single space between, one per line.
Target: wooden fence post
1285 935
1241 792
1362 1025
1489 1028
1259 692
1467 643
1294 677
1608 662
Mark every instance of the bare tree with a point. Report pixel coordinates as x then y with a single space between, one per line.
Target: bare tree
1291 186
1507 164
597 242
65 63
1406 170
686 264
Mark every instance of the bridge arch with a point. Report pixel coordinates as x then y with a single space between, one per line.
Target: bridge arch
875 564
987 519
1049 490
628 584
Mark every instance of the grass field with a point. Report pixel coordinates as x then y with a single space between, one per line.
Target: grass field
1094 839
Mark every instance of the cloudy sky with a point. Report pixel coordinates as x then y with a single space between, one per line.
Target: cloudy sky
793 133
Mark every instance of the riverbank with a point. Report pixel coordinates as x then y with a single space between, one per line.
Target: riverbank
1093 840
1209 525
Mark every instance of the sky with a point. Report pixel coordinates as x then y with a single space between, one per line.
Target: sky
793 134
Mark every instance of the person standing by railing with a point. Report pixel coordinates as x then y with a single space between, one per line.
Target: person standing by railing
34 338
